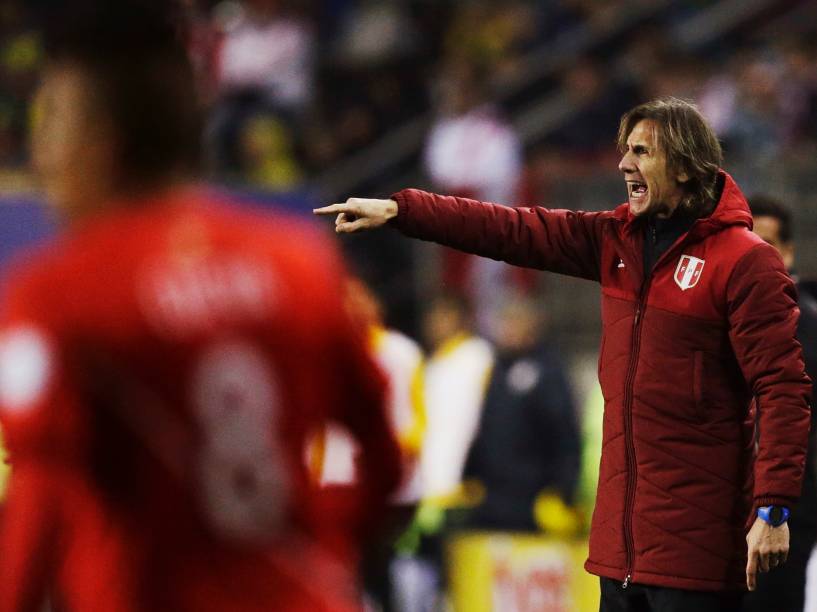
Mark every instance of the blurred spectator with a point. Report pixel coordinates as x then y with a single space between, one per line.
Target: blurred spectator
527 445
717 98
266 155
677 76
456 375
471 148
646 52
269 50
264 66
455 380
798 88
375 32
473 151
757 129
597 103
494 34
545 167
204 41
20 58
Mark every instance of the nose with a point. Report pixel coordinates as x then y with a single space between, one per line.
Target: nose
626 164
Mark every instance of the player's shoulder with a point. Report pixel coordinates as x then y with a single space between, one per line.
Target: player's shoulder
35 271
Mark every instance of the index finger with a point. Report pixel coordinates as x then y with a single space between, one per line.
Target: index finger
331 209
751 571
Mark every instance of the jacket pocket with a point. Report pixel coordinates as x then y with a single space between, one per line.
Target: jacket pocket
698 377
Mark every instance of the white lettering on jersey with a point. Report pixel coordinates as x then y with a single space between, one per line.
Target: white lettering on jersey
181 298
244 483
26 366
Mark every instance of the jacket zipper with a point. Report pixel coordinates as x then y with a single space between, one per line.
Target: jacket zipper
628 432
632 470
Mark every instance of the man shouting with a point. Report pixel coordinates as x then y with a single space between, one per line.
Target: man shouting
699 320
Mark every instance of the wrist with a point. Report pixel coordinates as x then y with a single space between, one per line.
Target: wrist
773 515
391 209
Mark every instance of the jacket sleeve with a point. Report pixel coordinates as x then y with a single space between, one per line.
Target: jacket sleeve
763 313
559 241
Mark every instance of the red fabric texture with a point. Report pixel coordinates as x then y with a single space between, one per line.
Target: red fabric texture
106 506
682 357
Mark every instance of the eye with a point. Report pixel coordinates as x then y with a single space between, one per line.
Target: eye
639 149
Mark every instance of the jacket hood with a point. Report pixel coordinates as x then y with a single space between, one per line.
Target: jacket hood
732 209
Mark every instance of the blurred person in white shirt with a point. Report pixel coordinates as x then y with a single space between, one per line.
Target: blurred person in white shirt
473 151
268 49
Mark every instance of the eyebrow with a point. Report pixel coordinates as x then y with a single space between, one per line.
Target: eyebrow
636 145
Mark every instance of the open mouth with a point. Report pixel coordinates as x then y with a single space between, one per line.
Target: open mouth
637 189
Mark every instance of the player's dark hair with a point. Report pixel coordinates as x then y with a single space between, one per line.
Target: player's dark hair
690 145
766 206
133 53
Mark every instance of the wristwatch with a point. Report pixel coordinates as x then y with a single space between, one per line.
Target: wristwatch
774 515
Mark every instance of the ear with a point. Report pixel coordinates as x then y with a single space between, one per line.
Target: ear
682 176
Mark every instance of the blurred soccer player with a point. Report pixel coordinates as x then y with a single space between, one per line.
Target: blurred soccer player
164 362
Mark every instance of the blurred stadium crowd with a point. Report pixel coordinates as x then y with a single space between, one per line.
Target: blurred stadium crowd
294 87
514 101
317 101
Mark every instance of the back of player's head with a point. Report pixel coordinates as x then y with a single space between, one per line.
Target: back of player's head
132 52
766 206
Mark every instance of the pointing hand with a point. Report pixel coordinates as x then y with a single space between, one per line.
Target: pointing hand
359 213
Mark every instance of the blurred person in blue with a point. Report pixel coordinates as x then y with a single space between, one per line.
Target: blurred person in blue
784 590
527 448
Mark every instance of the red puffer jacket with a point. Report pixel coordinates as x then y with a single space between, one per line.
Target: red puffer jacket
683 355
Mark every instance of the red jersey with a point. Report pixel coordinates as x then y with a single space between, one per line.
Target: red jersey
161 372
